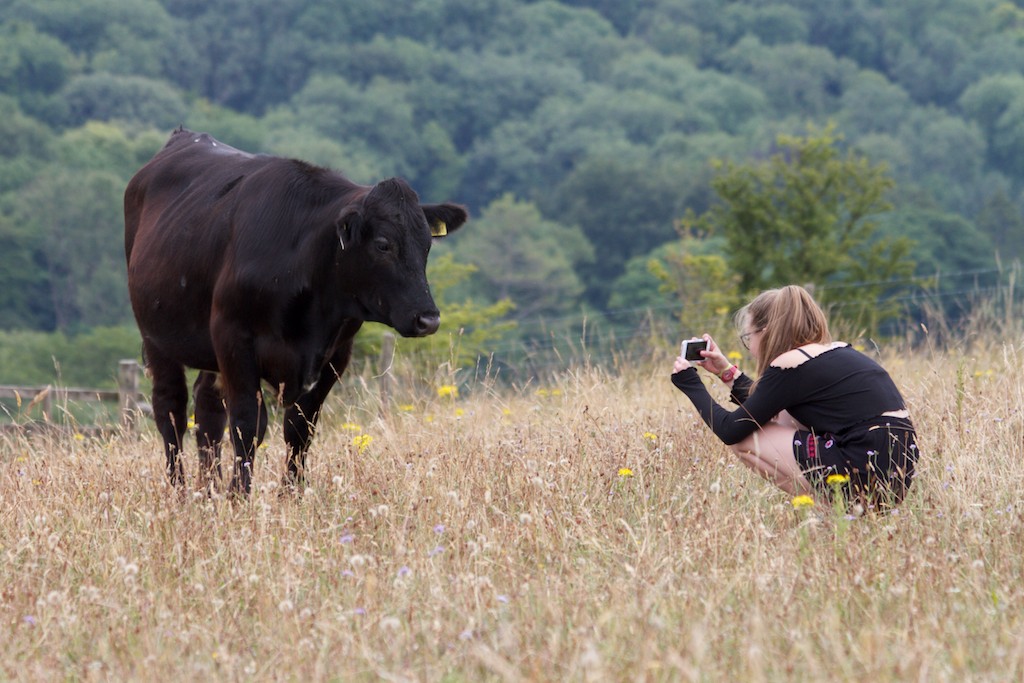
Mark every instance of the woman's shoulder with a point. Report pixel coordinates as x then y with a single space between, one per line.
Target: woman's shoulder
800 355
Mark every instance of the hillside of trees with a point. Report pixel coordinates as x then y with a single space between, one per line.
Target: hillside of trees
579 133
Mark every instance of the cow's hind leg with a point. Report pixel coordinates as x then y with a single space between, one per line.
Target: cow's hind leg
170 405
211 416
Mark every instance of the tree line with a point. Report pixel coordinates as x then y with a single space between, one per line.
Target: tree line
591 139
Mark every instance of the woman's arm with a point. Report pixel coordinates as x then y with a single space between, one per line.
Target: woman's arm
734 426
739 390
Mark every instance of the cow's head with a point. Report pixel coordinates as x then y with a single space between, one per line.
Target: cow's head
384 240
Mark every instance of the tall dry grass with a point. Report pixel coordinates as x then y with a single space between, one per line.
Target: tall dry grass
491 536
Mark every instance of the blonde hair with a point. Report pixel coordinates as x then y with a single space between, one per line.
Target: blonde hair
789 317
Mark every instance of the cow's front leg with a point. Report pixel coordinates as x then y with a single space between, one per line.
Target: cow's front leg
211 417
248 424
299 426
240 384
300 419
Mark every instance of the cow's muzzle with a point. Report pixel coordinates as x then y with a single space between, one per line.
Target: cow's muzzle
426 324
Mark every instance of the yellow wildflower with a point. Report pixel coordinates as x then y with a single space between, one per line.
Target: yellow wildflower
459 412
448 391
407 407
79 436
351 427
837 479
362 441
650 436
735 356
803 502
625 472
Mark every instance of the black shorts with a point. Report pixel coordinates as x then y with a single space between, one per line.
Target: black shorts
877 455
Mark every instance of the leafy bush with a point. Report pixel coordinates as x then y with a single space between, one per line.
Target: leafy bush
85 360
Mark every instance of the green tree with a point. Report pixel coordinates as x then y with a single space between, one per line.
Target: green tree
808 215
701 98
996 104
1003 222
135 99
553 32
233 128
623 204
873 104
31 61
923 66
639 286
944 242
696 275
247 55
24 145
288 138
86 360
621 13
796 78
99 146
24 296
74 220
525 258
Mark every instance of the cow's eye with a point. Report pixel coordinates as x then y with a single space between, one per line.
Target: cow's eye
383 245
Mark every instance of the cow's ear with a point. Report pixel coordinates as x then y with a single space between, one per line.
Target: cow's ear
444 218
348 226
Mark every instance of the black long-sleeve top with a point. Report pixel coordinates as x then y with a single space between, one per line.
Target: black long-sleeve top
829 393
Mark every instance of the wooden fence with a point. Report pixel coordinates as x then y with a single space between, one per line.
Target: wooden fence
129 401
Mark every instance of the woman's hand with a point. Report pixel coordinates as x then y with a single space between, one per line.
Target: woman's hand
680 365
714 361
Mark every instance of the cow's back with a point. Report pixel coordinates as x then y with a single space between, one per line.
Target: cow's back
177 227
189 161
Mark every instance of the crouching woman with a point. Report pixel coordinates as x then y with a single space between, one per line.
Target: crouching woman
817 408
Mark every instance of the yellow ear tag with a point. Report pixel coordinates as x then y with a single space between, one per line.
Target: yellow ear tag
439 229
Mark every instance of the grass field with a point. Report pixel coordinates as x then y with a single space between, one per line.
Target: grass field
587 530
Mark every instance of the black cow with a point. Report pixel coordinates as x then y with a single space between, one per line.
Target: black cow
253 267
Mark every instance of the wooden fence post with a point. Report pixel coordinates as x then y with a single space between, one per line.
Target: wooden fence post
127 391
387 357
47 404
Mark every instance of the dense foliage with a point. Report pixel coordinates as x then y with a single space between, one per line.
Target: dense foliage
578 132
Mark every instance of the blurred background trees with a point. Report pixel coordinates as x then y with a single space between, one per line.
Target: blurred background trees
580 133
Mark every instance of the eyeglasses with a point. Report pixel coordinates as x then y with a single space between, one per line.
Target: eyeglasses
745 338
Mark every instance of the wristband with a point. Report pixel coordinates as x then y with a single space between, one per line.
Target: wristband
729 374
